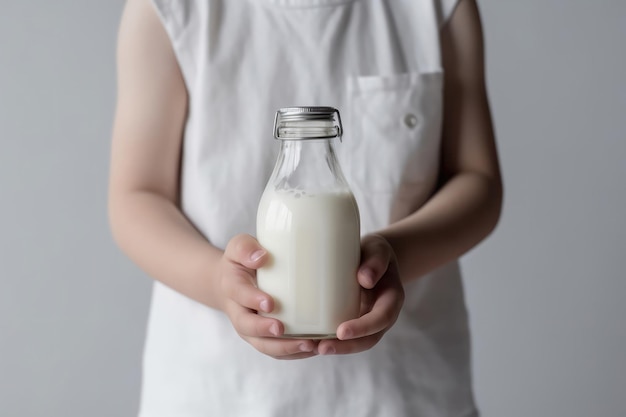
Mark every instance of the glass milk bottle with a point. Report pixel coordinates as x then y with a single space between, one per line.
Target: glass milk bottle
308 221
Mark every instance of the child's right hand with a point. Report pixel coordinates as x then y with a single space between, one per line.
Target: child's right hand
241 299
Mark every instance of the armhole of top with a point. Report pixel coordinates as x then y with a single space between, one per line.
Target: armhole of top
163 9
446 10
171 13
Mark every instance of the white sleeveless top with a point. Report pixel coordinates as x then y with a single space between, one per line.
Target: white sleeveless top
378 62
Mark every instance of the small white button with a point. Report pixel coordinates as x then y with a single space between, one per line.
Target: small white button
410 120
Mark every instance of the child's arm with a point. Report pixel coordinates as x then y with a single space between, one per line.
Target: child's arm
466 207
143 195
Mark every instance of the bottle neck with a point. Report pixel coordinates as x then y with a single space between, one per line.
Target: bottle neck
308 164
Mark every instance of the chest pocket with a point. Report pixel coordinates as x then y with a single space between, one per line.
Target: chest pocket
396 128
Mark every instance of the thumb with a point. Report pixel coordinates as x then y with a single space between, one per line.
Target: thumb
376 255
245 250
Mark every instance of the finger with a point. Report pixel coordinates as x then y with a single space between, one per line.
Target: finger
239 287
345 347
383 314
250 324
375 257
284 348
367 301
245 250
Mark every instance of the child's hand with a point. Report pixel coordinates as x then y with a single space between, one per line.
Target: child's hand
382 296
241 299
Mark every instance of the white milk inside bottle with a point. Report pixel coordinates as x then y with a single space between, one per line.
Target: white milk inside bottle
308 221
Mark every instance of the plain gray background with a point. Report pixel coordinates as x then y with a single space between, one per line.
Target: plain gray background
545 292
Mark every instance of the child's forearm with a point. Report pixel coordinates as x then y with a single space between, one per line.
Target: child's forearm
152 231
464 211
467 207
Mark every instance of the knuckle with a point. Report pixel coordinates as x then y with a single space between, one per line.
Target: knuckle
259 328
236 244
389 317
231 287
232 243
292 348
258 344
376 338
378 242
227 287
381 267
286 349
238 323
373 340
378 261
228 310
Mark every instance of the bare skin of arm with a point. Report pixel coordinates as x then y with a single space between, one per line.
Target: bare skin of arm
144 212
148 225
466 207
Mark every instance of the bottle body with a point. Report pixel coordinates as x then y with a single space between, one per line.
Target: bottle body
314 246
308 221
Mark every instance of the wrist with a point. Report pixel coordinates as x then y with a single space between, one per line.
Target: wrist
208 288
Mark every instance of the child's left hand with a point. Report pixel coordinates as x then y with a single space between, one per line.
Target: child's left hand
382 296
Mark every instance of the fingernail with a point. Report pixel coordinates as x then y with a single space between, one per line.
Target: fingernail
305 347
329 351
274 329
257 255
265 306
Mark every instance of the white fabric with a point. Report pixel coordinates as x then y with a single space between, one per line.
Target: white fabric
379 63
